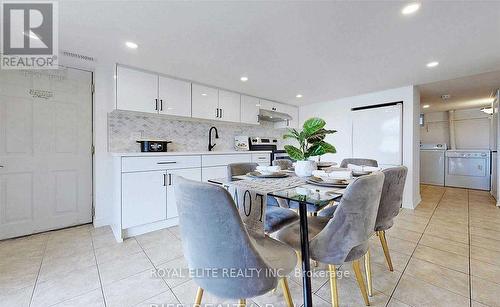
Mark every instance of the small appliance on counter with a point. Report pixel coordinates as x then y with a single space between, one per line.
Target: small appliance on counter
241 143
153 145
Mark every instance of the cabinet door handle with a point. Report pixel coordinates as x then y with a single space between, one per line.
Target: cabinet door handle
166 162
164 180
156 104
169 179
217 113
221 113
161 104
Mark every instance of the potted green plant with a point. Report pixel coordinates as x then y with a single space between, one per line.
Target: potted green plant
311 143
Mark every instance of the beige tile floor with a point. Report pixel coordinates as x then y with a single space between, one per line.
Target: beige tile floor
445 253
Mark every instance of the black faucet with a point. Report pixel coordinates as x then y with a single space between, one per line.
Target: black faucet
210 145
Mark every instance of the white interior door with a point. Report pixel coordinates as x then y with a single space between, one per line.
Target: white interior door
377 133
45 150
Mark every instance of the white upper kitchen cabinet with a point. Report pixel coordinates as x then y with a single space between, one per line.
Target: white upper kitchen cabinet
271 105
293 112
136 90
229 106
250 109
175 97
205 102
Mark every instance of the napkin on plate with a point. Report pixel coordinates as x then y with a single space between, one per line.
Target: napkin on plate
362 168
337 174
268 169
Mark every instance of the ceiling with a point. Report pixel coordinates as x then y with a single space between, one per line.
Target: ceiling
465 93
322 50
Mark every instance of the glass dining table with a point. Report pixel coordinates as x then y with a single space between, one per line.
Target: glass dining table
310 198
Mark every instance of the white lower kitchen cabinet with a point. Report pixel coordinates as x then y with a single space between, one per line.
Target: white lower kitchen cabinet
189 173
213 172
144 195
144 198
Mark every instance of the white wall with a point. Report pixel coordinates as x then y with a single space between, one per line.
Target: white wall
472 129
337 114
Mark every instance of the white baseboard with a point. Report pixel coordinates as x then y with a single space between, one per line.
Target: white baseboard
100 222
139 230
413 204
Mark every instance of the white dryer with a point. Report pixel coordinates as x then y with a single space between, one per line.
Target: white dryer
468 169
432 163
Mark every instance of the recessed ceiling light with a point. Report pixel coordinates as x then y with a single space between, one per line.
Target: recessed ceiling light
257 105
432 64
244 79
425 106
204 94
298 95
131 45
410 8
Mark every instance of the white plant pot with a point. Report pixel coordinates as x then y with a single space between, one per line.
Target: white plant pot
305 168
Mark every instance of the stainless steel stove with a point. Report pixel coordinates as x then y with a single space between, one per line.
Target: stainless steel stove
265 143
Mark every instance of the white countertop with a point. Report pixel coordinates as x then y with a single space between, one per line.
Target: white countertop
183 153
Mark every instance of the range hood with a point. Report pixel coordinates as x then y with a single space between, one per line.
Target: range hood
273 116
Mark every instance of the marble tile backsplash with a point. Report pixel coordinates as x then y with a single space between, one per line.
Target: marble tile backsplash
125 127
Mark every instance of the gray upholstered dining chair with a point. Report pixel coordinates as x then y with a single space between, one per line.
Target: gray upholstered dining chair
345 237
358 161
276 217
214 238
390 205
238 169
283 163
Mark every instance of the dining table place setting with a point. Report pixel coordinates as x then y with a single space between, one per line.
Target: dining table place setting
268 172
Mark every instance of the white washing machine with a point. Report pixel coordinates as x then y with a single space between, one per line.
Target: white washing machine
468 169
432 163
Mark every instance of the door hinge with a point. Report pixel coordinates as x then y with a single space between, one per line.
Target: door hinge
92 149
92 88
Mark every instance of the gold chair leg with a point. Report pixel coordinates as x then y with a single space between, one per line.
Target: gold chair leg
368 269
299 257
242 302
333 286
385 247
286 292
359 277
199 295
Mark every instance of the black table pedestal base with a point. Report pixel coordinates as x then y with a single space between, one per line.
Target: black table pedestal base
304 247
